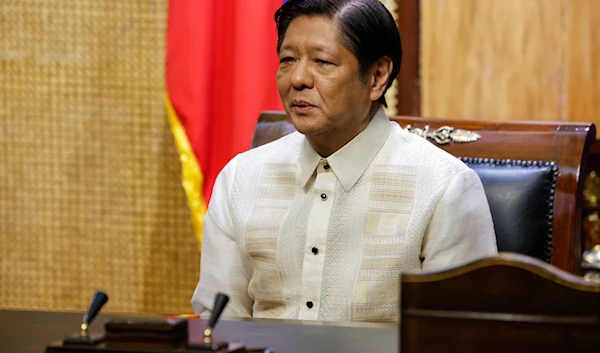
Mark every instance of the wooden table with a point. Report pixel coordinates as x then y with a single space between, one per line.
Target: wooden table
30 332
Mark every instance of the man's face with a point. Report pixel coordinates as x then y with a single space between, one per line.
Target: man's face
319 81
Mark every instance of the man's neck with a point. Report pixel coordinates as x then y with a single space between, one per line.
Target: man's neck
325 146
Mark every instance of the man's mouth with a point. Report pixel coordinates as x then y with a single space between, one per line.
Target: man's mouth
301 106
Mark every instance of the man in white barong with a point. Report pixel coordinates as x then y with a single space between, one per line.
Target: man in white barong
319 224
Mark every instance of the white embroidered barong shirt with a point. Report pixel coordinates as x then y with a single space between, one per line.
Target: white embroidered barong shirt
291 235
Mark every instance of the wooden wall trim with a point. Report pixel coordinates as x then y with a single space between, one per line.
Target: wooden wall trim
409 78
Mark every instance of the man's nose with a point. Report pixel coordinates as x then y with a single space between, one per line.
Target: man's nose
302 76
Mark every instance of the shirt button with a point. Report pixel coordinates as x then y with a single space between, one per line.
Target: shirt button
315 250
323 196
326 166
309 305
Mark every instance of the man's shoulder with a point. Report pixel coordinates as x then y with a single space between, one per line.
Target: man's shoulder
407 148
283 150
417 158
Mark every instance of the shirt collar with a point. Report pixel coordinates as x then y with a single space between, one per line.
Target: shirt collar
349 162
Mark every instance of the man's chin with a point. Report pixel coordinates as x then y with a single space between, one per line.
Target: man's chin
308 130
309 124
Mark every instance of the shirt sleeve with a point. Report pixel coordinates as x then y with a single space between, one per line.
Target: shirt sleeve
461 229
221 267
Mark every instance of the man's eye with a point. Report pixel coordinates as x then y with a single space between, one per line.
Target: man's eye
285 60
324 62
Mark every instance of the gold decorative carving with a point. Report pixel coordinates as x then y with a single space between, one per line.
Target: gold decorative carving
592 256
445 134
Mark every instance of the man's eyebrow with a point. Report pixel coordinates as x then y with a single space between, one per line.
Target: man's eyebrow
316 48
288 47
322 50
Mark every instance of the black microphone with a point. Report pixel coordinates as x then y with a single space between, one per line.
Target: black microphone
221 301
207 343
98 301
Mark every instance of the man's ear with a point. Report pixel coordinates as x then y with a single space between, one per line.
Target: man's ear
380 75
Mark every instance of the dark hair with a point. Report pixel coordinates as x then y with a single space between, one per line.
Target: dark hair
367 29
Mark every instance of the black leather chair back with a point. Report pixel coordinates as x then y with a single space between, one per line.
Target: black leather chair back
521 199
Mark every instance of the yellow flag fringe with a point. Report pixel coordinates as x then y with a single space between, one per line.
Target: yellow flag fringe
191 175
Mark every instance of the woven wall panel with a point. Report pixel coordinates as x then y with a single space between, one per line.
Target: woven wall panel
90 192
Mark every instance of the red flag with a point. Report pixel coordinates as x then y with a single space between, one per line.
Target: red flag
220 74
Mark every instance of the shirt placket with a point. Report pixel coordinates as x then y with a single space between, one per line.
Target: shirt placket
316 242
